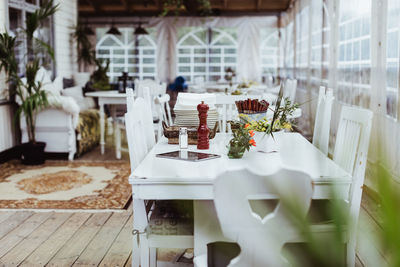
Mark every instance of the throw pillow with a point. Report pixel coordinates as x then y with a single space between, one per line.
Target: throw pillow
67 83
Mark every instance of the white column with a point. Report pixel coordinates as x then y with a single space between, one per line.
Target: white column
333 9
378 143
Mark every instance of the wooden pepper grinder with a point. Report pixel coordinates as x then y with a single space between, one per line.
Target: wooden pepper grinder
203 141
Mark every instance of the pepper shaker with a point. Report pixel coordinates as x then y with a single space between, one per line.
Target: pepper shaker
203 141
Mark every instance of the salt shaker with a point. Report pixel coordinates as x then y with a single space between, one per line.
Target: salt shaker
183 138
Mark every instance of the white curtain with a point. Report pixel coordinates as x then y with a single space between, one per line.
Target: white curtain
359 59
249 59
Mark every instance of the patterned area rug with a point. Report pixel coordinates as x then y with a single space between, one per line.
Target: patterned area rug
65 185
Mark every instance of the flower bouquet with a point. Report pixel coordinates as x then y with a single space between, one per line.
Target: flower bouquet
242 140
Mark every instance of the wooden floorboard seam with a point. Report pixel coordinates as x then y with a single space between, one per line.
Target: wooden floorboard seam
94 236
13 220
114 218
119 246
35 235
29 262
22 231
56 256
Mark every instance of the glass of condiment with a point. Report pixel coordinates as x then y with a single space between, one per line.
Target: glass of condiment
183 138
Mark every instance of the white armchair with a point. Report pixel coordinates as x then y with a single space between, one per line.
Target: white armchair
56 128
59 125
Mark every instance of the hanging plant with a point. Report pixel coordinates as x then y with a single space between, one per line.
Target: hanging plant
193 7
86 53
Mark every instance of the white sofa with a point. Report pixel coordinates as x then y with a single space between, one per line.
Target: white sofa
57 125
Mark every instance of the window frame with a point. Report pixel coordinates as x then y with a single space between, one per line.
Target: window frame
208 46
128 46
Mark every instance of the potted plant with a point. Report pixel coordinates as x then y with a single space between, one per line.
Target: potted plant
28 93
86 53
99 79
265 129
33 99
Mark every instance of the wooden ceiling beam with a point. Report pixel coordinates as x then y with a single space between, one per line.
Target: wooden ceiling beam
258 4
92 4
125 4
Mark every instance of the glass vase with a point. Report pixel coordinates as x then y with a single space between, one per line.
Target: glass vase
236 152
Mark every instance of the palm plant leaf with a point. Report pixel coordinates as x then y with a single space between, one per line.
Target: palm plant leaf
33 21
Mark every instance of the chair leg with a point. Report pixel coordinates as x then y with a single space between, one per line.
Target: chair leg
351 253
118 142
144 252
110 126
153 257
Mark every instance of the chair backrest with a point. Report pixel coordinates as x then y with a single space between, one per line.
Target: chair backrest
199 80
164 111
130 98
323 119
261 237
351 150
290 89
139 131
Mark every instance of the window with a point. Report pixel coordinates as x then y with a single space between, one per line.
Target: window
302 34
206 52
354 63
289 50
128 53
392 55
19 10
269 52
319 45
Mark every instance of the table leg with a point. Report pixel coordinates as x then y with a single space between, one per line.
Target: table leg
206 226
102 126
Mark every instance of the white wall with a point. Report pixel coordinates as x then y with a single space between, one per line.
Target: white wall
6 129
65 53
6 133
3 25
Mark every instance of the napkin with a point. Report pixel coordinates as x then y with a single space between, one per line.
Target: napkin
191 100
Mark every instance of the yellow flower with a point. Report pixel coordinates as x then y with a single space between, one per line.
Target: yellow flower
287 126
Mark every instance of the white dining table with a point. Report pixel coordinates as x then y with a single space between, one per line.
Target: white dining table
161 179
112 97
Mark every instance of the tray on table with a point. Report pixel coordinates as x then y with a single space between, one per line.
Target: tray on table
172 133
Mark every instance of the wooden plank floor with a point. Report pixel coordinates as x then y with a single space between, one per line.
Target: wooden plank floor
104 238
65 239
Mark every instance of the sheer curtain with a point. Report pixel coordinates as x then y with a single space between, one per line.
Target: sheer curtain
248 38
354 49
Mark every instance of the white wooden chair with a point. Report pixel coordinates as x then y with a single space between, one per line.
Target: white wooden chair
120 123
141 139
323 119
351 151
164 113
261 236
290 89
